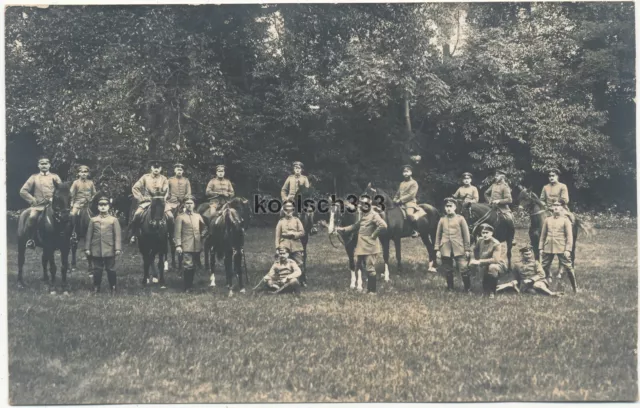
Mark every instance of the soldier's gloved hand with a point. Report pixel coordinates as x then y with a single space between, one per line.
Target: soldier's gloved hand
438 254
567 254
118 252
87 252
467 254
179 249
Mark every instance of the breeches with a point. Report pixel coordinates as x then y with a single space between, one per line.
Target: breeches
368 263
493 270
100 264
188 259
462 265
298 257
33 213
547 260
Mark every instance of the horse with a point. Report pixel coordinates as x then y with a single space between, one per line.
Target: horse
225 239
53 232
176 211
349 240
80 231
306 216
154 228
538 212
477 213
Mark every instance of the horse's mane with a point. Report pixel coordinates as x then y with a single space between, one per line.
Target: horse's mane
387 198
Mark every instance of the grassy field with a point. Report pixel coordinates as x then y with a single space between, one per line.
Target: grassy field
411 342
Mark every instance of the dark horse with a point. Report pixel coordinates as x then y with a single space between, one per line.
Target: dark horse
345 218
306 216
153 238
537 211
225 239
80 231
476 214
53 232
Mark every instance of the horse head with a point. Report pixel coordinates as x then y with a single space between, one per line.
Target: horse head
527 199
242 208
379 196
61 202
156 210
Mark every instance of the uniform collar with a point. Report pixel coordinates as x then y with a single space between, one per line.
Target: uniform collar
44 173
451 216
553 183
188 212
178 177
154 176
556 215
104 215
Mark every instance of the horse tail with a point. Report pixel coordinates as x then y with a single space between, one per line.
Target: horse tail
585 227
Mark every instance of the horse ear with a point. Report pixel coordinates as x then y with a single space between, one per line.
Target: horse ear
369 185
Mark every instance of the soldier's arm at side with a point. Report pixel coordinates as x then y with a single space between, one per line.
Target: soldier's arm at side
296 271
272 273
438 244
284 192
564 193
487 194
543 196
380 224
231 191
177 231
73 191
278 233
306 182
569 234
457 194
506 196
543 235
496 256
25 191
88 236
466 239
117 234
92 190
136 190
300 229
57 179
188 188
209 191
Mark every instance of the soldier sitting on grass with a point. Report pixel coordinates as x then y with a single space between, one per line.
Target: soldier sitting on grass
530 277
284 273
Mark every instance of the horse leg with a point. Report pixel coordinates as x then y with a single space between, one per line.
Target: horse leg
237 265
207 250
228 267
145 268
430 251
21 259
52 269
210 259
161 264
509 246
352 268
74 248
397 243
64 259
386 243
45 261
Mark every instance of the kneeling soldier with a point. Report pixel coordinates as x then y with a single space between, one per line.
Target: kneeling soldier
556 238
488 260
288 233
102 244
369 227
284 273
188 232
529 275
453 243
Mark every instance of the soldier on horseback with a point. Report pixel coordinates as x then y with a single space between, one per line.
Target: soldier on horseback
219 191
498 195
467 192
406 197
179 189
556 191
293 183
82 191
150 184
38 191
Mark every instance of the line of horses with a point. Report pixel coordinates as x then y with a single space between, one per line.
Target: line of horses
226 233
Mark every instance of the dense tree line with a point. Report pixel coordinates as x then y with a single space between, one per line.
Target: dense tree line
353 91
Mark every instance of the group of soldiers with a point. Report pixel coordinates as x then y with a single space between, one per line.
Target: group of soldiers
453 244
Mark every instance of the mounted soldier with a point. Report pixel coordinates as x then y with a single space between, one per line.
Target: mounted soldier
179 189
468 193
498 195
406 197
293 183
149 185
556 191
82 191
219 191
38 191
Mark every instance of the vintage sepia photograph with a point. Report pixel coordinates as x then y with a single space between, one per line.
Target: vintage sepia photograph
314 202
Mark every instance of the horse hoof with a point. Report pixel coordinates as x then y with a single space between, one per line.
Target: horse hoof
66 293
230 293
53 292
433 270
243 291
155 280
359 289
163 287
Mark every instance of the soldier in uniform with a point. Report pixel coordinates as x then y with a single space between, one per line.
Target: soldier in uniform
498 195
284 273
150 184
82 190
530 277
467 192
369 226
288 233
37 191
102 245
556 238
179 189
189 231
219 190
556 191
453 242
488 260
293 183
406 196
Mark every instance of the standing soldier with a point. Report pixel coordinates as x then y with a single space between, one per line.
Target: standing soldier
82 190
369 226
453 243
189 231
406 196
284 273
179 189
150 184
530 277
102 245
488 260
556 191
498 195
467 192
219 191
38 191
288 233
293 183
556 238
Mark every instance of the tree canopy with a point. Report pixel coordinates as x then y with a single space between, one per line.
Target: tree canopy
352 90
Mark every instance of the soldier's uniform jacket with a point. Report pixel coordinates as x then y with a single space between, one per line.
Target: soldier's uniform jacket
488 252
407 193
179 188
82 191
39 187
292 185
147 186
290 226
369 227
103 236
217 187
556 236
553 192
280 272
501 192
530 270
467 193
188 231
452 235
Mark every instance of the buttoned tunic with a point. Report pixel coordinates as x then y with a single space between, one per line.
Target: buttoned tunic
556 236
188 231
39 187
103 236
292 185
290 225
452 235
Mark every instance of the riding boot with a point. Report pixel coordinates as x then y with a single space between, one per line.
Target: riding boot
450 281
485 285
74 235
188 279
493 284
371 284
572 279
31 233
97 279
466 280
111 276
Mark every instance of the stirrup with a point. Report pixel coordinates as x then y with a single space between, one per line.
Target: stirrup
31 244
